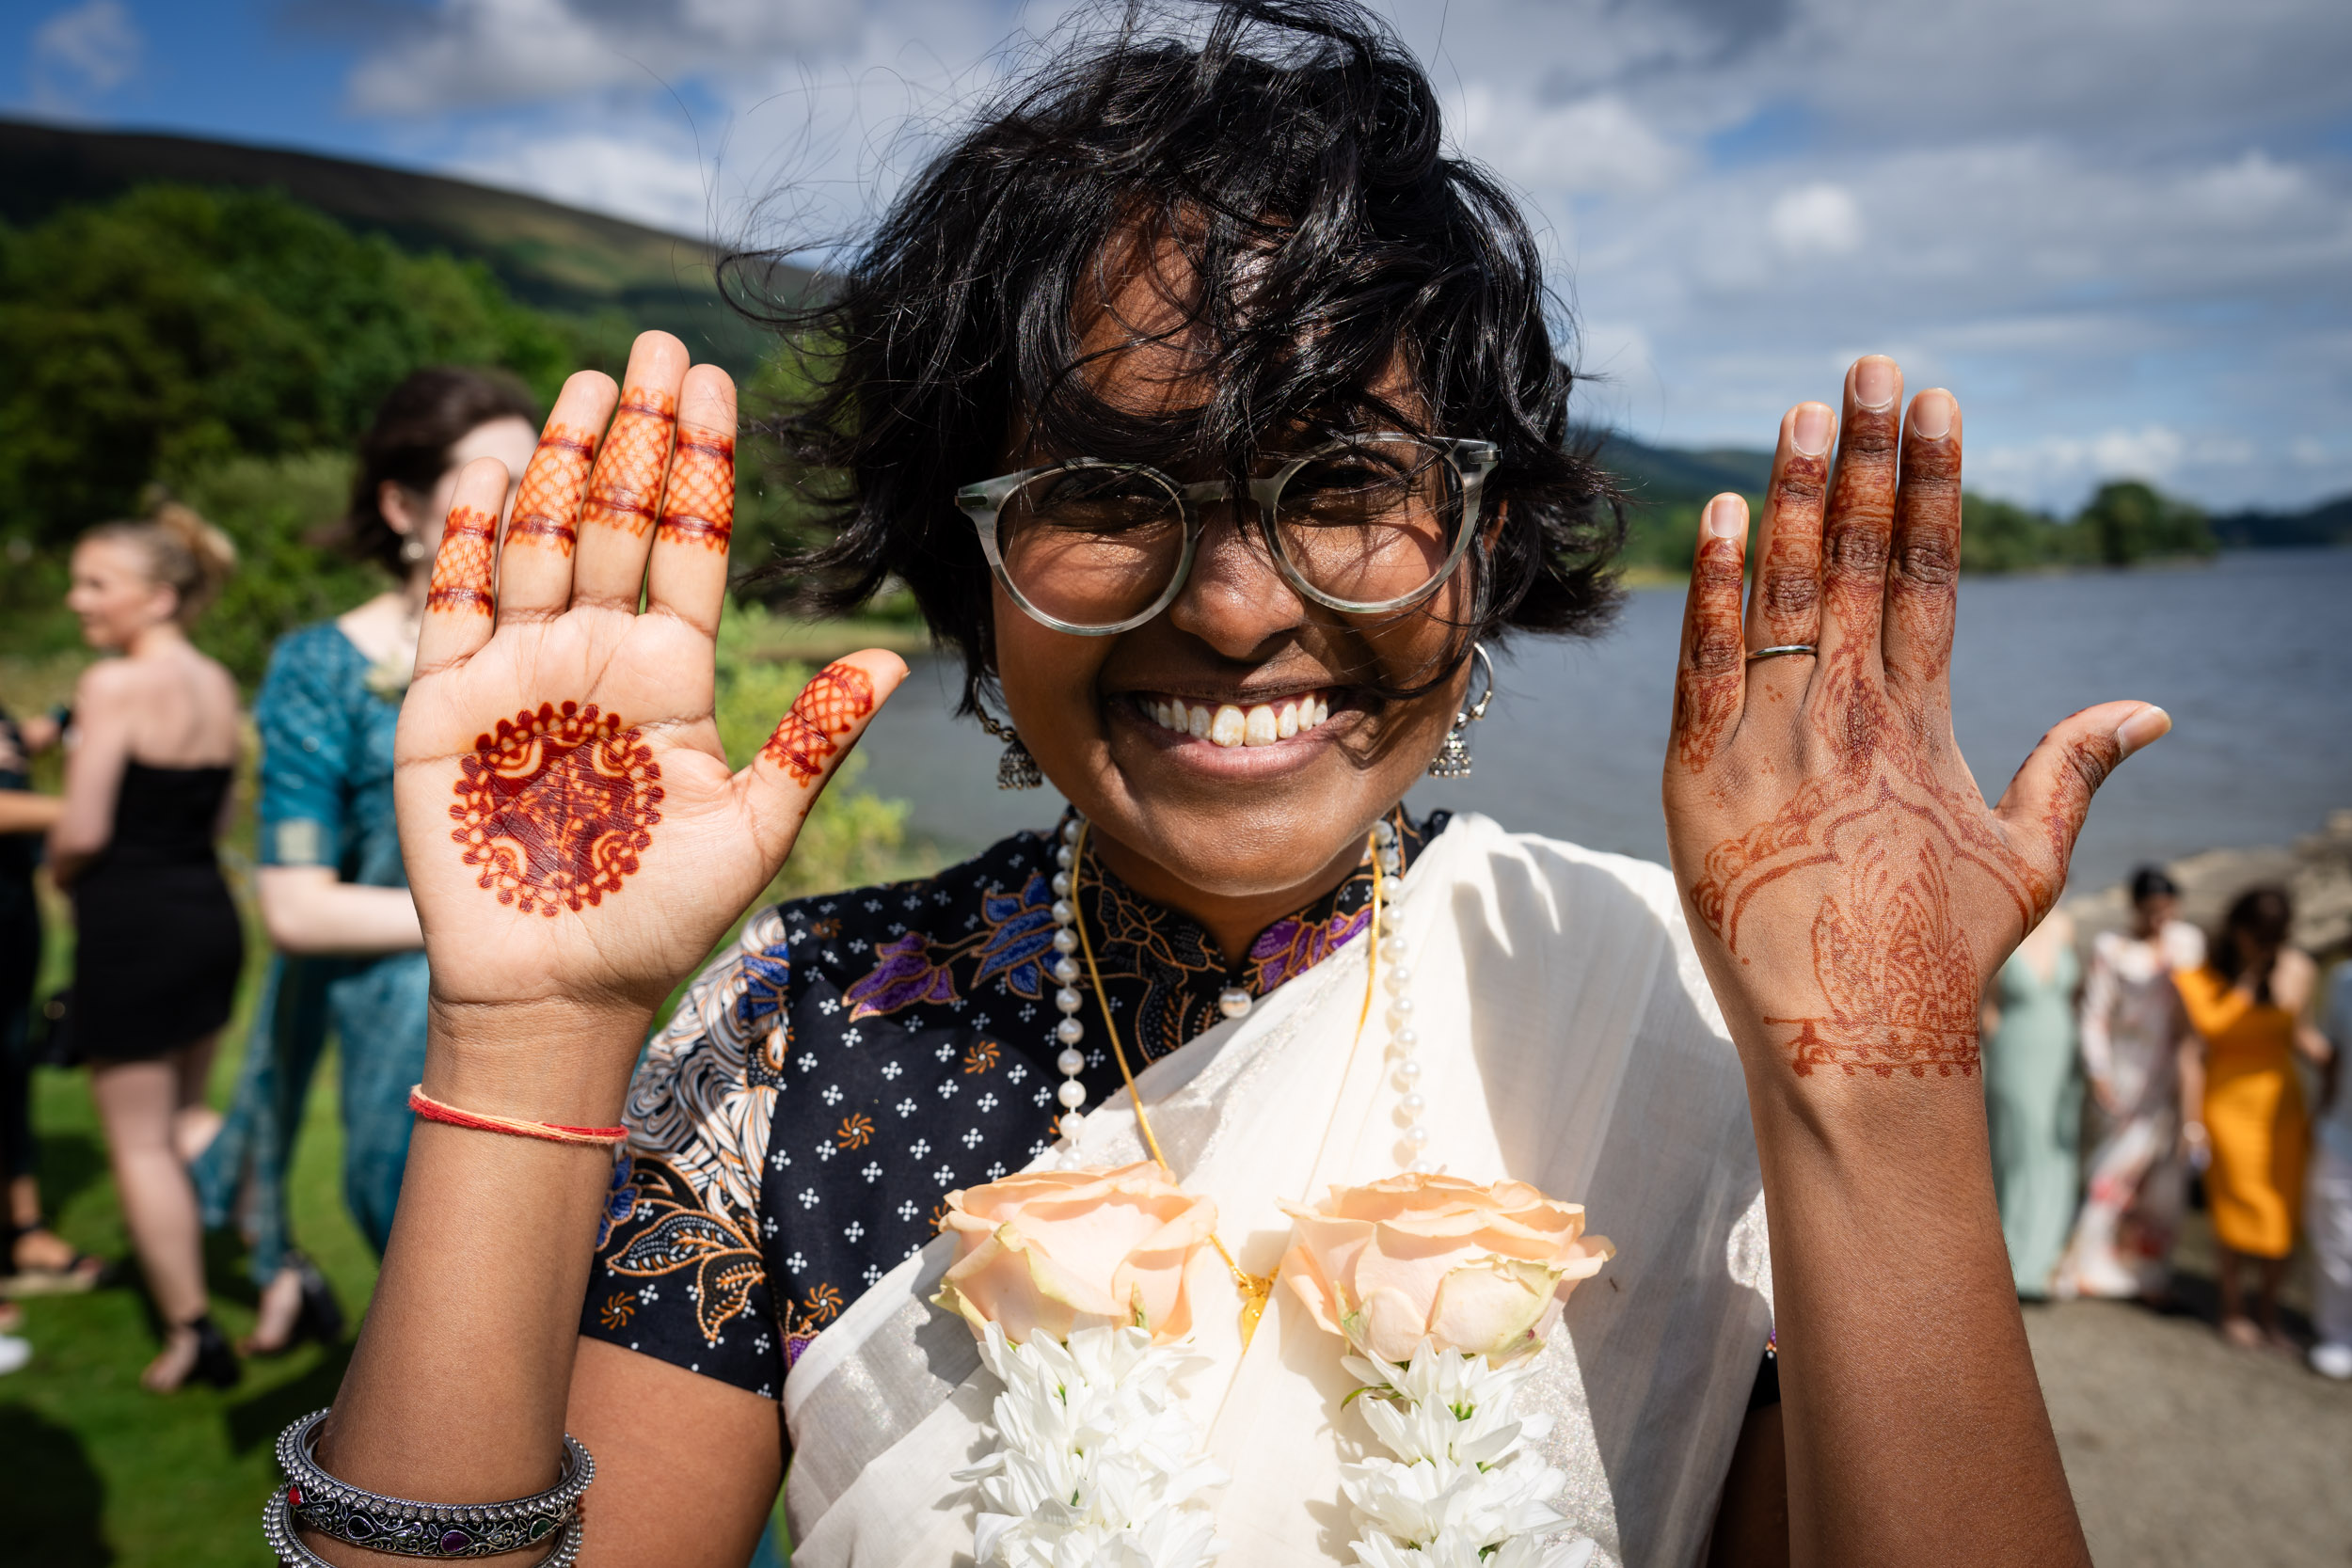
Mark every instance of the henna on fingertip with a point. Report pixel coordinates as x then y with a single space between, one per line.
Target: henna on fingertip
698 503
624 487
461 567
548 498
833 704
1706 694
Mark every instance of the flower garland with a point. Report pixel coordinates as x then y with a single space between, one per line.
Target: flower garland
1095 1463
1464 1487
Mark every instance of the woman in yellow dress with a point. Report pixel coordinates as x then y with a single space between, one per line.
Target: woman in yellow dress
2244 1003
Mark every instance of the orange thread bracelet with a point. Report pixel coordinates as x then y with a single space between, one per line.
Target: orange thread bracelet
547 1132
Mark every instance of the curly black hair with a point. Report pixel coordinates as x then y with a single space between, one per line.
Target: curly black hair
1290 151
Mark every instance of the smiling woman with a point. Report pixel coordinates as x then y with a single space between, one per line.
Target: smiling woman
1212 413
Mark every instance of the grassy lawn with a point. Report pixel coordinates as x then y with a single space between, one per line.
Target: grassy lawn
99 1471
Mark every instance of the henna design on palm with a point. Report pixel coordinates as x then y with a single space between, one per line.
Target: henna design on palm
556 806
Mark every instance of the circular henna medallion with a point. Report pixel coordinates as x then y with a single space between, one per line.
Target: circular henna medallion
556 806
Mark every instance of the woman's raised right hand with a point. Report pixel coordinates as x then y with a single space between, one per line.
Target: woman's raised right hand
574 836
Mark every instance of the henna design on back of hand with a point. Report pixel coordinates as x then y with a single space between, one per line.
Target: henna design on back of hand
1897 975
829 705
1707 698
626 486
556 806
461 568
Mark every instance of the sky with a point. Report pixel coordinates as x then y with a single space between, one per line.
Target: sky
2120 230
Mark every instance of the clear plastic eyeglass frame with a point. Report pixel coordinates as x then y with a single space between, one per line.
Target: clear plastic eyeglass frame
1472 461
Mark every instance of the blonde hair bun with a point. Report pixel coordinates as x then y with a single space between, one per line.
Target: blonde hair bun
184 553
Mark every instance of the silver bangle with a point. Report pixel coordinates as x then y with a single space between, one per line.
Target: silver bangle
278 1530
335 1509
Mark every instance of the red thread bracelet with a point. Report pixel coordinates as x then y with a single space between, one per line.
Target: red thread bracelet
548 1132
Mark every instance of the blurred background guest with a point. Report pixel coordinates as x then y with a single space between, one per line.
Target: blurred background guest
334 899
2033 1099
2329 1208
148 770
23 815
2133 1028
35 1259
2244 1002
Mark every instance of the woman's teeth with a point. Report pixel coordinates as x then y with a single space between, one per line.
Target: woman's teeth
1228 725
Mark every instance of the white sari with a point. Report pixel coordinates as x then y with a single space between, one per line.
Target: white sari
1569 1039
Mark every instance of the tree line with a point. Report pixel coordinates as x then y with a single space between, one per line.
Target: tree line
2124 523
231 347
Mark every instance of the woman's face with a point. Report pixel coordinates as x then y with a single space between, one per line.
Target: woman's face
2156 912
114 594
1177 813
509 440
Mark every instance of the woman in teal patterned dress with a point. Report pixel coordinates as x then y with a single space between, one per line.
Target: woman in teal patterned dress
2033 1093
350 953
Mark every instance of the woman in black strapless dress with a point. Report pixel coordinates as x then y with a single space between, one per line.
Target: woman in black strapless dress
158 945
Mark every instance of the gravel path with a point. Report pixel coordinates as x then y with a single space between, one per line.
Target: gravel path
2187 1453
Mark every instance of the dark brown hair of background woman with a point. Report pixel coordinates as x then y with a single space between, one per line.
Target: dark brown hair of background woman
2263 915
408 445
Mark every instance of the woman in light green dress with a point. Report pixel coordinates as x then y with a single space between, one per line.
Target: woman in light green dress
2033 1093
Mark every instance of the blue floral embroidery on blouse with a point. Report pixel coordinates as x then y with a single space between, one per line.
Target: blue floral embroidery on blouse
1021 933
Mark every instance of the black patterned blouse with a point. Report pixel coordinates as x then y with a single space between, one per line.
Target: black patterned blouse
855 1058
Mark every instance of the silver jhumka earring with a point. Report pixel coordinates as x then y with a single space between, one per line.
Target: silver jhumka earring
1016 769
1453 760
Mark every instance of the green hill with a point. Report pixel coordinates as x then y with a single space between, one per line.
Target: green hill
1678 476
547 255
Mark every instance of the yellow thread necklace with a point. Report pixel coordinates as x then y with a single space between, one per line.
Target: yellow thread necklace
1384 851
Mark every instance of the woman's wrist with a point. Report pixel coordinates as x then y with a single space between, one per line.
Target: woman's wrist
551 1060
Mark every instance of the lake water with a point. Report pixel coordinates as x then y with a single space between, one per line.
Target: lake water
2251 655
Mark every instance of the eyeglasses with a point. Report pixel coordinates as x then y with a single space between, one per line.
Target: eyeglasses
1368 524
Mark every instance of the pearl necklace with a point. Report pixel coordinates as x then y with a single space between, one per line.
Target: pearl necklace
1387 963
1390 949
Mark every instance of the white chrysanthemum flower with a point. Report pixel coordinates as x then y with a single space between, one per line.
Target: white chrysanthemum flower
1095 1463
1466 1489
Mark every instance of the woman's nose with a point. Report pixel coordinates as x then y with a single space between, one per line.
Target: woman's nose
1236 599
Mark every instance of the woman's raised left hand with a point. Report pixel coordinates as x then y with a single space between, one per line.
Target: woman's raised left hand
575 838
1850 889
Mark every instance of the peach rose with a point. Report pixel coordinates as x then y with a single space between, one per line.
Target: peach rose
1056 1250
1479 1269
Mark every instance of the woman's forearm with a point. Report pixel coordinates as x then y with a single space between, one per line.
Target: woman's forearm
307 910
1912 1419
456 1390
23 812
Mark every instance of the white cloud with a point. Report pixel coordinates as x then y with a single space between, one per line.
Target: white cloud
1596 144
1819 219
2104 223
470 54
81 52
641 173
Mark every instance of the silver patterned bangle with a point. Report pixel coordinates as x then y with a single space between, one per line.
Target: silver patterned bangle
325 1506
278 1530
